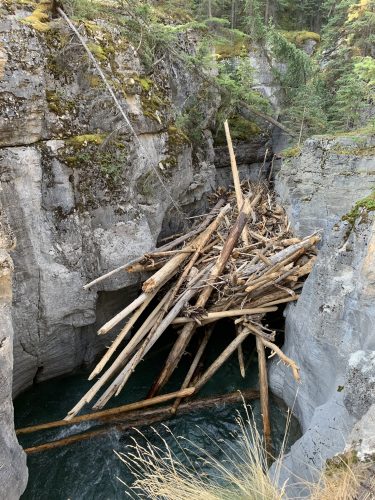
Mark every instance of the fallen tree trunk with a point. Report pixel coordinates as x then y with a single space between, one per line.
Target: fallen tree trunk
127 421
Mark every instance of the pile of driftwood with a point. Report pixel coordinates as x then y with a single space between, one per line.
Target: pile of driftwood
240 262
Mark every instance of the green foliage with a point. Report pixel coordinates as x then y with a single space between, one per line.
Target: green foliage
331 90
82 9
349 101
240 129
299 66
362 207
236 78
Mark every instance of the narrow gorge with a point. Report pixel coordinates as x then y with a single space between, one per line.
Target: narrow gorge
81 194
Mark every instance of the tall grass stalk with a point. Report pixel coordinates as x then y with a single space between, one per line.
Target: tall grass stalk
240 474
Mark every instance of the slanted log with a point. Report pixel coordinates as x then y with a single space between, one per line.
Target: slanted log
188 330
264 398
228 351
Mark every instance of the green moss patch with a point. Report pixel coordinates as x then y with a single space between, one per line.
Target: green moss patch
57 104
354 151
300 37
97 51
81 141
39 19
241 130
291 152
233 43
362 207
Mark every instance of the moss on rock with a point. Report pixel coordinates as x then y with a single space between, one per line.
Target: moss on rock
358 151
361 208
300 37
81 141
40 18
241 130
291 152
234 43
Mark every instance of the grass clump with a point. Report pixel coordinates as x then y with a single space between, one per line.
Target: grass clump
242 473
159 473
363 206
343 478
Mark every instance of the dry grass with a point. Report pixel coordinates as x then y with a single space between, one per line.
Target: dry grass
159 473
347 479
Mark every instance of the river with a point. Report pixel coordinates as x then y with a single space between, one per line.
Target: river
89 469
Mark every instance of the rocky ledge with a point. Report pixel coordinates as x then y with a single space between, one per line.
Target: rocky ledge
328 185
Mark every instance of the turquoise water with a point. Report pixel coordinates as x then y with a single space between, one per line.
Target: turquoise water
89 469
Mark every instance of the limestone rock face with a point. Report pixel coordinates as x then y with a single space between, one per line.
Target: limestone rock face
82 194
13 471
330 331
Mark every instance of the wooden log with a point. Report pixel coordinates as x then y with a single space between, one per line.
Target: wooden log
122 314
228 351
111 273
241 361
59 443
283 255
263 387
171 267
277 301
99 415
194 232
124 375
236 178
203 242
116 365
147 416
214 316
194 365
188 330
136 338
245 232
166 247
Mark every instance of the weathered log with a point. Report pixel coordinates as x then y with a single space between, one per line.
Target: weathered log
213 213
148 416
236 179
263 386
284 254
241 361
124 375
194 365
228 351
135 339
122 314
188 330
211 317
99 415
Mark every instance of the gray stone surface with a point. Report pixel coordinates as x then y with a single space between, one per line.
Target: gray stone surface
13 471
330 331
